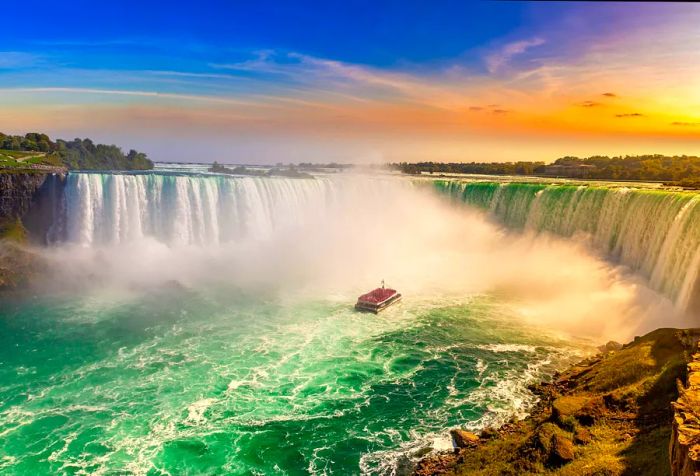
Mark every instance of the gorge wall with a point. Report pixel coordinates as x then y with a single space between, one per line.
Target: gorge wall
684 448
33 198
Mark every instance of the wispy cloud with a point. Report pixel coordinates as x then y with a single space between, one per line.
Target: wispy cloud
609 95
125 92
686 124
590 104
499 59
629 115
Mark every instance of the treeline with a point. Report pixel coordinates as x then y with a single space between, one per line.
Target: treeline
655 167
290 171
78 154
487 168
681 170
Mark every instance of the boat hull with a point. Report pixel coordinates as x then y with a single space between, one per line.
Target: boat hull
377 307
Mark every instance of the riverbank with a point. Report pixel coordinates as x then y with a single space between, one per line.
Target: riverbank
610 414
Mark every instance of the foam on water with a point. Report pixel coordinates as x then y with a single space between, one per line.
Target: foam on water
245 386
204 323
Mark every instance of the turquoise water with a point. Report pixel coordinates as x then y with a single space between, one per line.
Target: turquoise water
212 382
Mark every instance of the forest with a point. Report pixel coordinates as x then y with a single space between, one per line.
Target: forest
683 170
76 154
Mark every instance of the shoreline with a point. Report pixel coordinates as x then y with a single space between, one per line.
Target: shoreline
612 413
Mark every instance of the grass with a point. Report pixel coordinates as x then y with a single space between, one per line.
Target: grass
621 399
16 159
13 230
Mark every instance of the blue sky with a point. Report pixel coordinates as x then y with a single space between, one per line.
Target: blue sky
128 34
354 81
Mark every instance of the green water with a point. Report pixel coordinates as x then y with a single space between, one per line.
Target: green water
187 383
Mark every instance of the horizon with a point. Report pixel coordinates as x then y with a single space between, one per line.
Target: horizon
361 83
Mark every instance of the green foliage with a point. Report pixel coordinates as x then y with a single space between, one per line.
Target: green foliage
78 154
641 167
488 168
682 170
83 154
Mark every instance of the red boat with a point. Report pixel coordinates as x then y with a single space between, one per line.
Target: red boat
377 300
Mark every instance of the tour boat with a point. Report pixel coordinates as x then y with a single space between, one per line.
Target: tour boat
377 300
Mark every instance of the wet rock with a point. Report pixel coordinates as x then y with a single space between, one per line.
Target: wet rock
435 464
404 466
463 439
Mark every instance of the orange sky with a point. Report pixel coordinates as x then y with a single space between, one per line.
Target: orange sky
535 97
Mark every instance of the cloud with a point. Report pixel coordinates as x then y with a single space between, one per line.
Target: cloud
496 61
590 104
629 114
126 92
491 108
609 95
686 124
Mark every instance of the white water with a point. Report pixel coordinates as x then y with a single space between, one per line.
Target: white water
192 209
333 236
655 233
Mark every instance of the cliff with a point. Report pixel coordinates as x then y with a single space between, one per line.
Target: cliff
610 414
17 190
27 207
32 196
684 448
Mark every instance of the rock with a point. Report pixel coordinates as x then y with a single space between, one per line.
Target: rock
435 464
684 447
489 433
582 436
555 443
404 466
611 346
586 410
562 449
464 439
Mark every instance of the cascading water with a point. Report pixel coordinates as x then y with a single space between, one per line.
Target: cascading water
654 232
104 208
204 324
186 209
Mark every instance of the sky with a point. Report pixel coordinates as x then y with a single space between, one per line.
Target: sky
355 81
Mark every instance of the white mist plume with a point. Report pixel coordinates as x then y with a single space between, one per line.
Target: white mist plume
386 228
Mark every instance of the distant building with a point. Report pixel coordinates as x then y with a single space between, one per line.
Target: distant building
569 170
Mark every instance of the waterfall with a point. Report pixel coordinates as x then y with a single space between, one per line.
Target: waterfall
196 209
656 233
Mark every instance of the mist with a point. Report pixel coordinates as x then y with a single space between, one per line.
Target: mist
427 248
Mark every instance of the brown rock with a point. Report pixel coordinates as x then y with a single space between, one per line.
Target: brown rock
582 436
586 410
611 346
562 449
489 433
435 464
464 439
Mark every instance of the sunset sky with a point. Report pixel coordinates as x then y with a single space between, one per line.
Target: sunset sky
355 81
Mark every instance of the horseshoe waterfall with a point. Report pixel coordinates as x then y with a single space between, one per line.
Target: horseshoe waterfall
193 323
656 233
